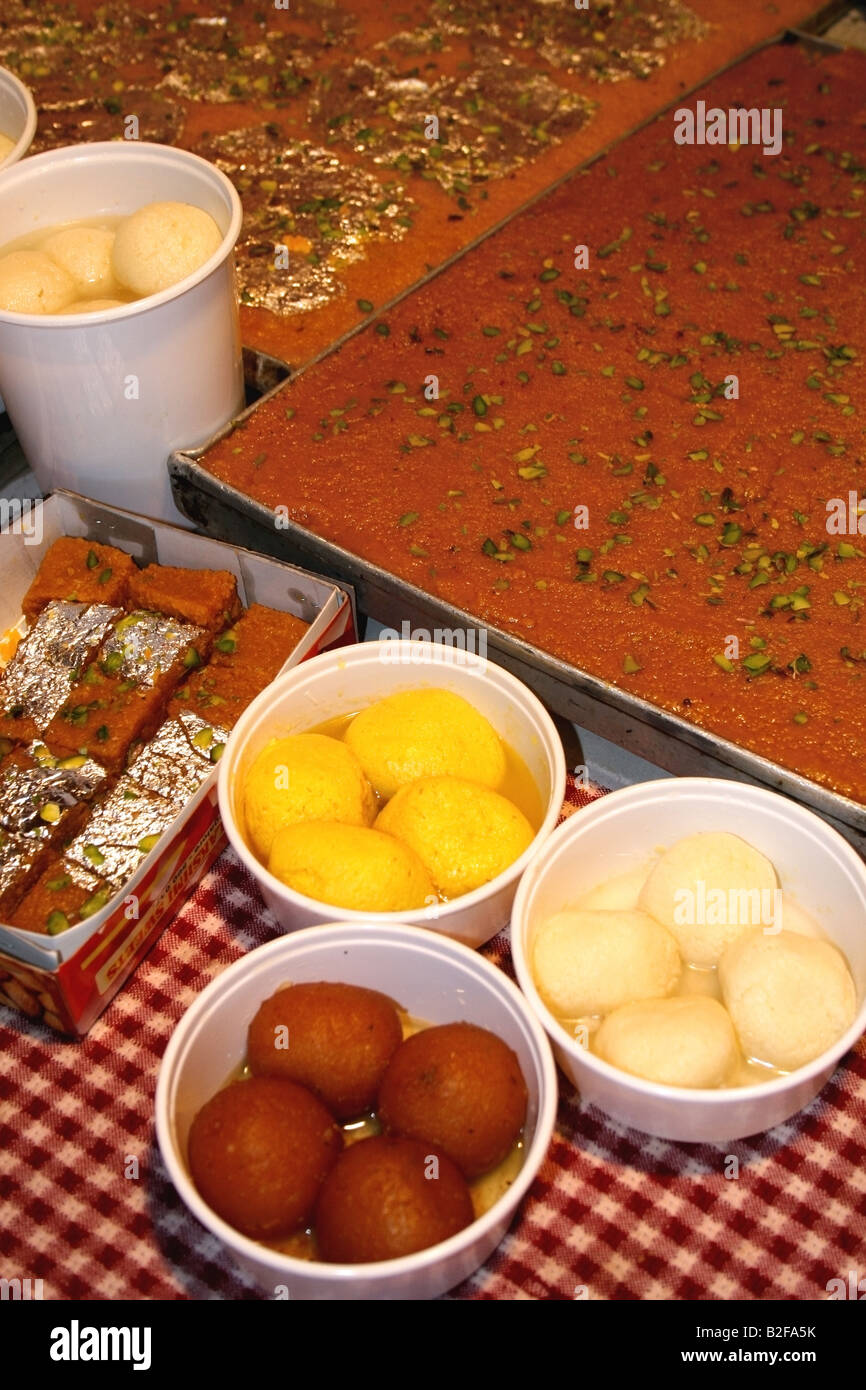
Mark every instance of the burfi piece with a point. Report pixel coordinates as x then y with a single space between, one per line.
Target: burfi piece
208 598
122 829
42 801
259 644
65 894
217 694
37 681
153 650
21 859
179 757
46 797
81 571
102 717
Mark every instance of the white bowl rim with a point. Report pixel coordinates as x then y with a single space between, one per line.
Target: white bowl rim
656 1090
135 149
25 139
404 934
430 917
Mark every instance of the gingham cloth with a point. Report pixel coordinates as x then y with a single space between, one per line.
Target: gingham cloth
613 1214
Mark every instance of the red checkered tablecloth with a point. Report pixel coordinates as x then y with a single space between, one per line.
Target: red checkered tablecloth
613 1214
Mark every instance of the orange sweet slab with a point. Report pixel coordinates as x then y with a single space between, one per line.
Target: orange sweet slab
630 465
325 114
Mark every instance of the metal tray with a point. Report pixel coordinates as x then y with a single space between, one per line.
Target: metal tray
636 725
668 740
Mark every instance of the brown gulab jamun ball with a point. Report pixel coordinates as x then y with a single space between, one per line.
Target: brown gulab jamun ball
387 1197
459 1088
258 1153
335 1038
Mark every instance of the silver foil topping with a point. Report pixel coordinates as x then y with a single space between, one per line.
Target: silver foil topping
178 758
143 646
82 877
302 196
37 680
25 792
120 831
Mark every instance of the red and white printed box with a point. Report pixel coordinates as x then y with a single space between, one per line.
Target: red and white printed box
67 980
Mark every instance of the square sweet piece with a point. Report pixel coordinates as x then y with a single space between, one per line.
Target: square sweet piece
122 829
21 860
180 756
151 649
216 694
208 598
45 796
260 643
43 801
103 715
65 894
82 572
37 681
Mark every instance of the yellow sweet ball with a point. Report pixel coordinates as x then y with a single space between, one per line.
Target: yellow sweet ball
161 244
31 283
303 777
425 733
464 833
350 866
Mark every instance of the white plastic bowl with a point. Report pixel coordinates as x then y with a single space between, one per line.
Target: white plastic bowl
17 116
816 866
100 400
343 682
434 979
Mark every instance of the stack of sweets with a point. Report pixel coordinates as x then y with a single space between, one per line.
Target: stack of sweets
113 711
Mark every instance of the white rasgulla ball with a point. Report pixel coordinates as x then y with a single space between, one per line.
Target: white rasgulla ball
161 244
30 283
790 997
91 306
677 1042
707 889
85 254
589 962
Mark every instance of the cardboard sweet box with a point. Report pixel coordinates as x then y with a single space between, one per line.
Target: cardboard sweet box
68 979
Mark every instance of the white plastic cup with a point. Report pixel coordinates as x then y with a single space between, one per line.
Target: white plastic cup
17 116
434 979
344 681
100 400
619 832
